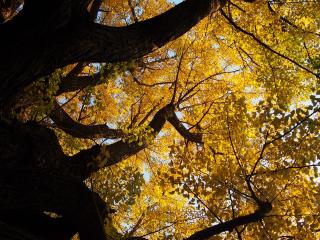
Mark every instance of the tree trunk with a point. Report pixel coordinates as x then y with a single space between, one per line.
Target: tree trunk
53 36
36 176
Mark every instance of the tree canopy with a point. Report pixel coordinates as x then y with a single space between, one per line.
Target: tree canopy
153 119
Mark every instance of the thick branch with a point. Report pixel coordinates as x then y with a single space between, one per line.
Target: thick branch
176 123
94 9
79 130
46 41
72 83
35 177
136 40
258 215
96 157
86 161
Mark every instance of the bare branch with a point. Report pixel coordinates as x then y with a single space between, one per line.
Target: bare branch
87 161
176 123
73 83
94 9
258 215
204 204
79 130
133 12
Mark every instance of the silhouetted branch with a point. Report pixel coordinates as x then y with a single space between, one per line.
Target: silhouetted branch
79 130
230 225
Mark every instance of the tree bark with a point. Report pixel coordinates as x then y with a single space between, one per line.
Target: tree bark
79 130
74 83
39 224
40 190
35 174
84 163
206 233
53 36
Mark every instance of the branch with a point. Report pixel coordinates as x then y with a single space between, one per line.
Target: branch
90 160
136 80
176 123
74 83
230 20
295 126
286 169
47 41
258 215
133 12
136 226
286 21
8 9
185 96
94 9
79 130
138 39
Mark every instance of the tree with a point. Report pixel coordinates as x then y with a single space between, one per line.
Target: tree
114 125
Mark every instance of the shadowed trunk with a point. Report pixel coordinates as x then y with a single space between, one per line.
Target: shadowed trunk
56 34
36 176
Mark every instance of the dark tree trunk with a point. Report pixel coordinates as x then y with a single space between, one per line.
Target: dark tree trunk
44 37
35 175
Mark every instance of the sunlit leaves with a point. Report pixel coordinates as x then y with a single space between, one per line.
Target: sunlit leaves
250 96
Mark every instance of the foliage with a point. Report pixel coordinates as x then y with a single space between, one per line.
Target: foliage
247 80
250 103
40 95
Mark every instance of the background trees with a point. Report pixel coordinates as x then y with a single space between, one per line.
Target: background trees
213 135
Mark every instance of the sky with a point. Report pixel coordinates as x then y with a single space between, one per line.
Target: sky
175 1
